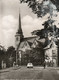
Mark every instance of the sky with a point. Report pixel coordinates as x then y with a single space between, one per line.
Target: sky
9 20
9 12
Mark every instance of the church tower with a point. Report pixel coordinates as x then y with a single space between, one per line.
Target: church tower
19 34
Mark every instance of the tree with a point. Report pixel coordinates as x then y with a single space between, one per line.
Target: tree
49 29
10 56
2 55
41 7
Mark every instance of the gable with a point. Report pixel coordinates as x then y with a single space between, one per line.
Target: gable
24 46
51 45
35 44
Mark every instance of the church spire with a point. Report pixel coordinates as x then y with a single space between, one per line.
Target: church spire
19 34
19 27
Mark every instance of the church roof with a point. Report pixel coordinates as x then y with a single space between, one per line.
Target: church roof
25 45
29 42
30 39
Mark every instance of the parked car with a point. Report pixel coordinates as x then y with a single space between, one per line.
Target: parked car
29 65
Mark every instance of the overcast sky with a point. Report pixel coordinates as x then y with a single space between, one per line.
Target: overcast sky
9 14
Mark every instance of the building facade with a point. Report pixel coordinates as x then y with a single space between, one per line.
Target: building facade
51 53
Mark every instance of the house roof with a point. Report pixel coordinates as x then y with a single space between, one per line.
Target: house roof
51 45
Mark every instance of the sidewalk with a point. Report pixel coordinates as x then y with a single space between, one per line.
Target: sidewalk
5 70
9 69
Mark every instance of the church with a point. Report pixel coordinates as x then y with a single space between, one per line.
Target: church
34 46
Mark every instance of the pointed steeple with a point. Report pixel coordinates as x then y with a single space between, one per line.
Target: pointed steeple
19 27
19 34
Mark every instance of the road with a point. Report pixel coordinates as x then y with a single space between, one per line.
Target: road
36 73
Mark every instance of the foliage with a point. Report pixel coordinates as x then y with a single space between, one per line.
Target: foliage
41 8
2 56
10 50
37 6
36 56
10 56
48 28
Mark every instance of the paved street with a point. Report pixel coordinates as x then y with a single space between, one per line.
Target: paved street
36 73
